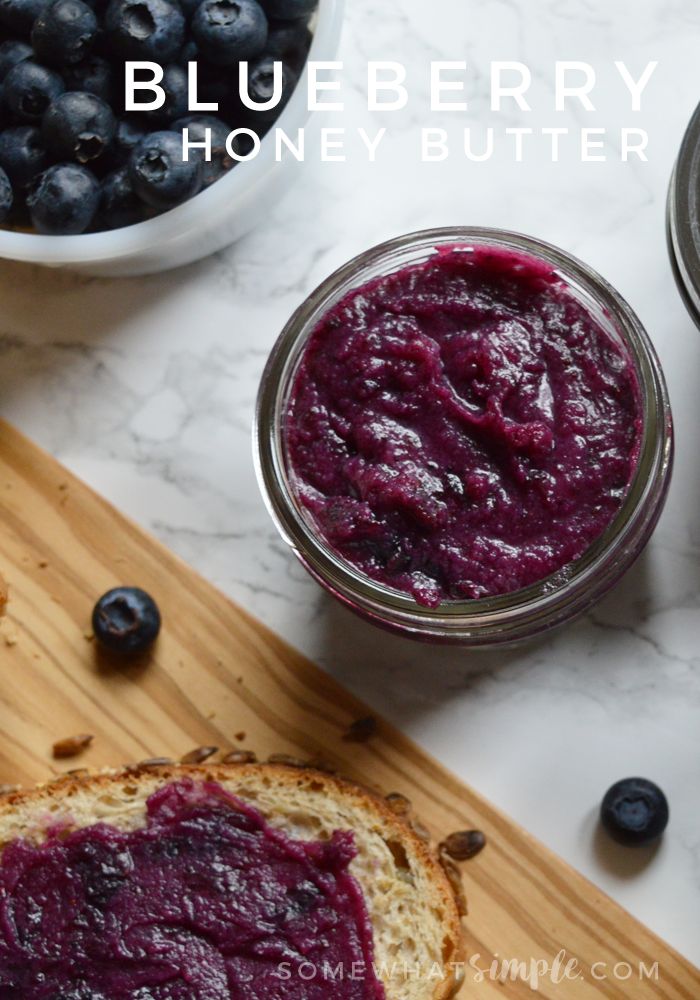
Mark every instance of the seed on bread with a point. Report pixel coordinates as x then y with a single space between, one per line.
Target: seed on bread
198 755
285 758
420 830
240 757
399 804
463 845
152 763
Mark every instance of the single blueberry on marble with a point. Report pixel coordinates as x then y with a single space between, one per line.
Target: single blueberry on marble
634 812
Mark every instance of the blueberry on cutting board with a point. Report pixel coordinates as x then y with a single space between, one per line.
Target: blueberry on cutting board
126 620
634 812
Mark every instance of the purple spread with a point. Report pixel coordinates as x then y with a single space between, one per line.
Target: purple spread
462 428
205 902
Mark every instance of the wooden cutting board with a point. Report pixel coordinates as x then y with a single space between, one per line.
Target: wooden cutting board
216 674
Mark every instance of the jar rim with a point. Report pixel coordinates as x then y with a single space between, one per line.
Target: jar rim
568 591
683 218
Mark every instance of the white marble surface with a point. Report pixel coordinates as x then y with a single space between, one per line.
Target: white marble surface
146 389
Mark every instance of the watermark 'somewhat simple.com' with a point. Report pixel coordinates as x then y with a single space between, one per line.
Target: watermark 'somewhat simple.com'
477 969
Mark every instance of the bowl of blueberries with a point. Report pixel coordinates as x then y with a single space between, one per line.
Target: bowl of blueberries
87 185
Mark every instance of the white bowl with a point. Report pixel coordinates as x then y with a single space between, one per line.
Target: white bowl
213 219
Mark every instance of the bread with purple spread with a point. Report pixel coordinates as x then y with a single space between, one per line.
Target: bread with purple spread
220 882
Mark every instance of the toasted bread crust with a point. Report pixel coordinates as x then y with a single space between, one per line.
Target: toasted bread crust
309 801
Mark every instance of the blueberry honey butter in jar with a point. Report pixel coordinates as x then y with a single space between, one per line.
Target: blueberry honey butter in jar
465 436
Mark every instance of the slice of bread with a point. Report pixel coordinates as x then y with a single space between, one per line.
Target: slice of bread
410 898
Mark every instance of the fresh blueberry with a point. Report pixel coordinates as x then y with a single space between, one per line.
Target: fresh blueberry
188 7
63 200
227 31
145 29
131 129
160 175
64 32
189 52
174 83
11 53
78 126
126 620
6 196
289 41
261 77
119 206
634 812
28 90
289 10
22 154
18 16
197 126
93 75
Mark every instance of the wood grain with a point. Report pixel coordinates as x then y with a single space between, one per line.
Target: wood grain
216 673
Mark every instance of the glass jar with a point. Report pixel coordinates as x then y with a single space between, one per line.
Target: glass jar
485 621
683 218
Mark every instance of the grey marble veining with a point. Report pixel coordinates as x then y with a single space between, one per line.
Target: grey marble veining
146 389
